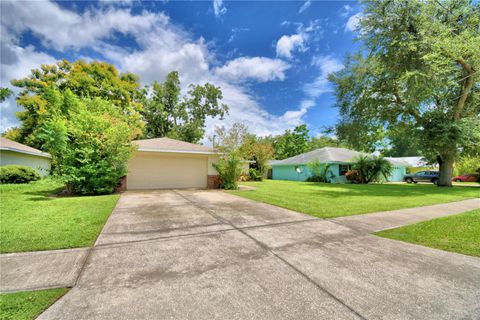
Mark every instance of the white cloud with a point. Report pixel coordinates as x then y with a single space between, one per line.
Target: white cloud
162 47
346 10
287 44
353 22
294 117
219 8
63 29
310 33
305 6
321 85
256 68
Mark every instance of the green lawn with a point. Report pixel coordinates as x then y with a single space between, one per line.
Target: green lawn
27 305
31 220
334 200
459 233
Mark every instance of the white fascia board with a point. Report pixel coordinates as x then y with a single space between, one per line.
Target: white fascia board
176 151
43 154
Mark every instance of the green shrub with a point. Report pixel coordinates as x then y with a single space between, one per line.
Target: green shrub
229 169
372 168
319 172
18 174
467 165
91 146
254 175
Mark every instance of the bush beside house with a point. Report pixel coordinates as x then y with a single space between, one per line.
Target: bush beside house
90 144
18 174
229 168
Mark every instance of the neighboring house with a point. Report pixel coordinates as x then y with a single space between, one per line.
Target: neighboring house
12 152
416 164
165 163
245 166
340 160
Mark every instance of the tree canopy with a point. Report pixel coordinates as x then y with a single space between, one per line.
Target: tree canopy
82 80
89 144
168 113
418 68
291 143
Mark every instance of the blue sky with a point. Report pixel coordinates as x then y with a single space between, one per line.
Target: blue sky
270 58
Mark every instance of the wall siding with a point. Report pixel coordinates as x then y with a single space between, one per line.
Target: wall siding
288 173
397 174
41 164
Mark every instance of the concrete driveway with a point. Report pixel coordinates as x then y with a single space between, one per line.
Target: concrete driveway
211 255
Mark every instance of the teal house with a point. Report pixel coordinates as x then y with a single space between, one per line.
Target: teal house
340 160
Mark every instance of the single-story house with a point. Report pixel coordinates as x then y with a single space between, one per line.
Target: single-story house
164 163
12 152
339 159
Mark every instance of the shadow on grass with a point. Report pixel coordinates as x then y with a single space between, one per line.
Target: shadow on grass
46 194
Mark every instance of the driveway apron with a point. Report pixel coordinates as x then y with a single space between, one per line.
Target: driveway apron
197 254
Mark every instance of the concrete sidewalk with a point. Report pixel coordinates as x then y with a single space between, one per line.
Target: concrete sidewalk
377 221
40 269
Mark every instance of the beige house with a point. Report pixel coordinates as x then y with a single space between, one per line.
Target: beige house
164 163
12 152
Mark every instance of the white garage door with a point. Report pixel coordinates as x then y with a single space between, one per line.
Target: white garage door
148 170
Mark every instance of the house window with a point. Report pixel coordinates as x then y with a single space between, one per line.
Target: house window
343 168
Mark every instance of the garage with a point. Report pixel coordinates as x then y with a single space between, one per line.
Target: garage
165 163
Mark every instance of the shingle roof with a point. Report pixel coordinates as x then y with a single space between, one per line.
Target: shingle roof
171 145
325 155
329 155
412 161
9 145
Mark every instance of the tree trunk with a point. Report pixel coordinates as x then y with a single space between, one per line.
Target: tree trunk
446 170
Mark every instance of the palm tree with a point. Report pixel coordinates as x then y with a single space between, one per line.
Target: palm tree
372 168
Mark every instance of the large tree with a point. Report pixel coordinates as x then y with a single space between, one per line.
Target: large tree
324 141
89 144
83 80
168 113
291 143
418 66
230 139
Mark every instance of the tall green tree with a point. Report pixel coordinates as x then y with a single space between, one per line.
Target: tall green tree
403 141
83 80
418 65
89 144
324 141
169 114
292 143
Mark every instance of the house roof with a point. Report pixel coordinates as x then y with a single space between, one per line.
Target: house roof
328 155
398 162
172 145
413 161
9 145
